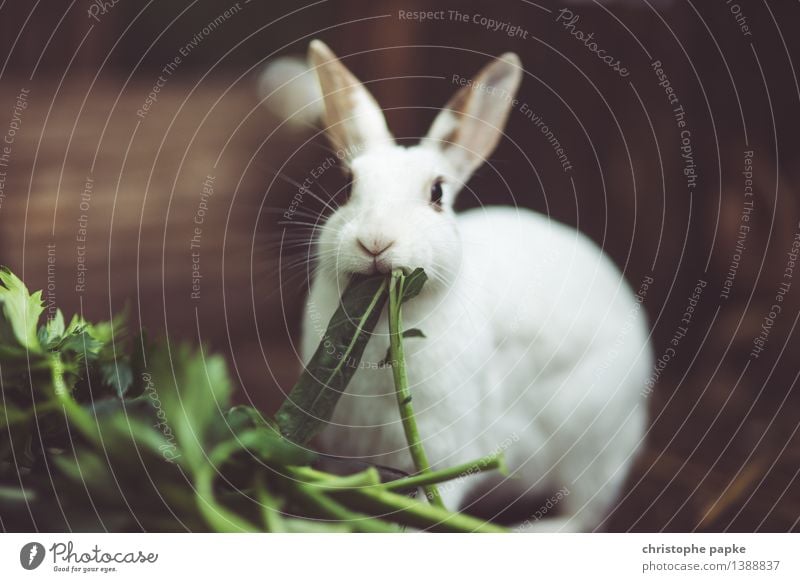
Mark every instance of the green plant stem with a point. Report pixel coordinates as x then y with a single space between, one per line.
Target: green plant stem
407 511
219 517
488 463
74 411
329 508
270 508
401 386
366 478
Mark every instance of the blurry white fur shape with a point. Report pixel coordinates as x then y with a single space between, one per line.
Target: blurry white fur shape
535 345
291 92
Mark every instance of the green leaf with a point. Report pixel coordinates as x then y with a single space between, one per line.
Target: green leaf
270 447
117 374
413 332
76 325
311 402
22 311
242 417
52 332
79 339
412 284
130 430
262 438
191 390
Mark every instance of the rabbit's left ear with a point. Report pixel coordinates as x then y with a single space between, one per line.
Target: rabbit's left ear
353 119
469 127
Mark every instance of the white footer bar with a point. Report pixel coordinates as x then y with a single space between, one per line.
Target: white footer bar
400 557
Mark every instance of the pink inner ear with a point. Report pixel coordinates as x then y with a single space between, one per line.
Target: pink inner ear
353 118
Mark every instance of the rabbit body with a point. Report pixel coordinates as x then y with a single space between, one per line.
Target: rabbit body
534 347
538 349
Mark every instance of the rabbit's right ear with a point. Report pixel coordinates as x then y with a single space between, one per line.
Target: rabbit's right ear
470 126
353 119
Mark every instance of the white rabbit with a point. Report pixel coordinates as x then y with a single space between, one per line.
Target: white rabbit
535 346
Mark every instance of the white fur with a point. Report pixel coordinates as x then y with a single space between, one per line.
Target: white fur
535 346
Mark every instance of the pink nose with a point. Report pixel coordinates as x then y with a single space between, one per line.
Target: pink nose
375 247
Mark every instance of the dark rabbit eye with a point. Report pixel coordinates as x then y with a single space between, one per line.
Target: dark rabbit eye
436 193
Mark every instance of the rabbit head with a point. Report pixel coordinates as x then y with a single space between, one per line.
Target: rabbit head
399 211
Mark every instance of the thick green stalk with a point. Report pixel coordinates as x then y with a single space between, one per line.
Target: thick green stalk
368 477
397 358
316 499
270 508
488 463
407 511
76 414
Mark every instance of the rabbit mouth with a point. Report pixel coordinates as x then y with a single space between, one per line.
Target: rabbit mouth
378 267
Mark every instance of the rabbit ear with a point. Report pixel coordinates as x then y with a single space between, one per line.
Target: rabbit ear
352 117
469 127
